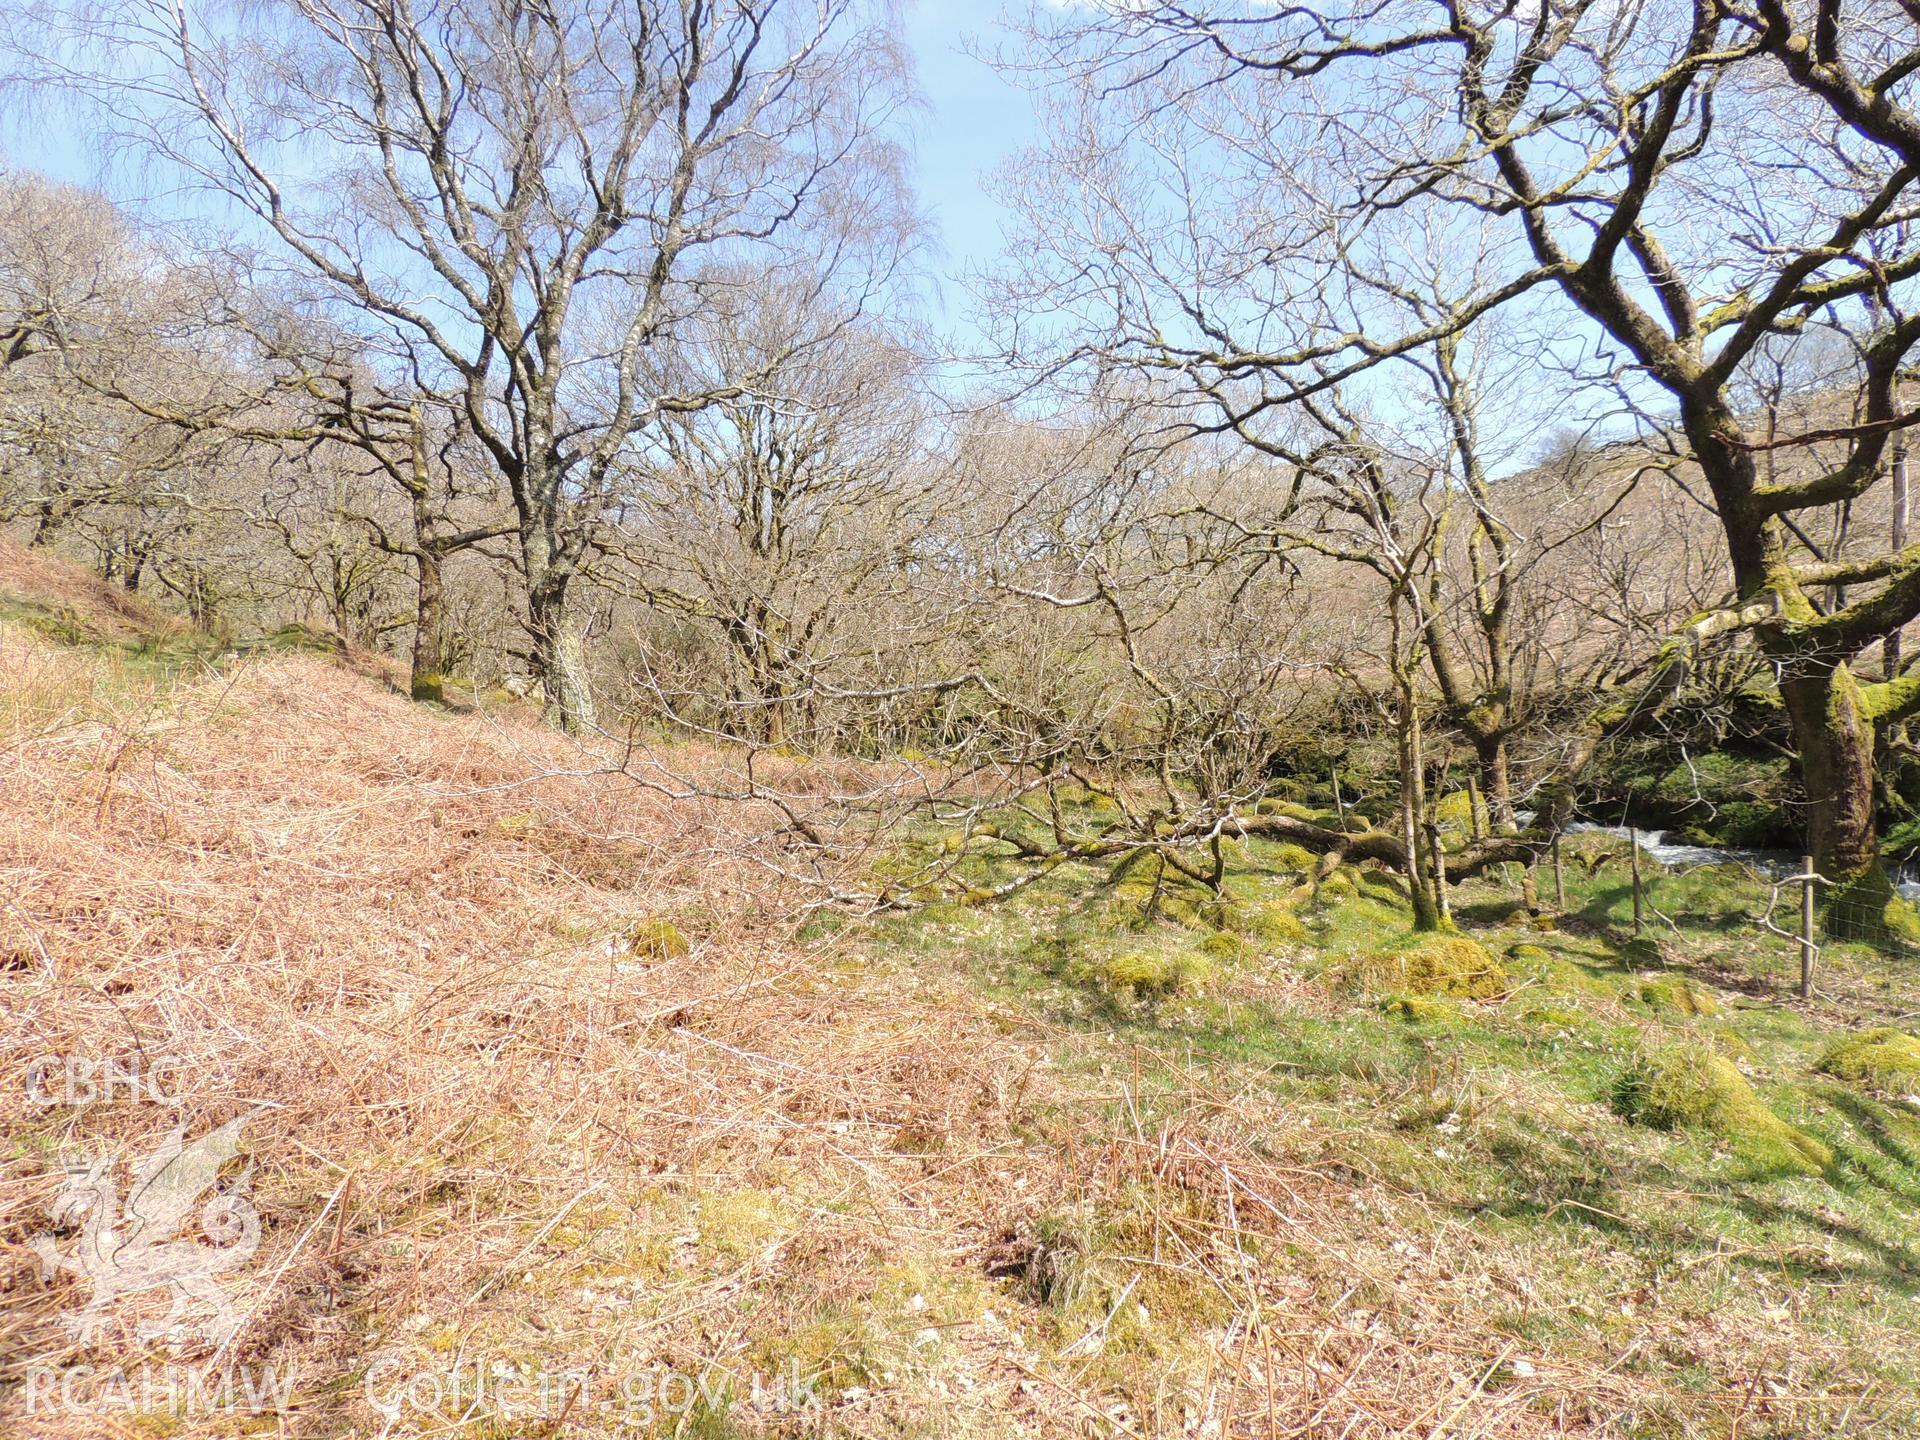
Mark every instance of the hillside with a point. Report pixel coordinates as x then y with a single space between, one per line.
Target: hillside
564 1117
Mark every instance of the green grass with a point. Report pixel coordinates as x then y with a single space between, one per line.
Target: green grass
1496 1118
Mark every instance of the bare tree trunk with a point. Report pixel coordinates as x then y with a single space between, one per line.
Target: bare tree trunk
1413 805
559 655
558 650
1891 648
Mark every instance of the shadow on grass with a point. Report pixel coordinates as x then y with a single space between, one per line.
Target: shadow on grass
1551 1177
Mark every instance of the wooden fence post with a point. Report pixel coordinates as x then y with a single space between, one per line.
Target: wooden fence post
1633 851
1559 877
1806 928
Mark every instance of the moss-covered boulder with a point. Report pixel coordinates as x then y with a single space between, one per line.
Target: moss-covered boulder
1887 1060
1222 946
1524 951
1676 996
1289 856
1731 1043
1378 885
1690 1087
1338 886
1151 974
1441 965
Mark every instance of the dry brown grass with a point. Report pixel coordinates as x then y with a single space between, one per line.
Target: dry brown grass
105 610
498 1134
405 933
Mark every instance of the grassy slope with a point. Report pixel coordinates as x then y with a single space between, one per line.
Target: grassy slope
946 1164
1487 1199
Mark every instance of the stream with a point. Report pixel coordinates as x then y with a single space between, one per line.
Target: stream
1771 863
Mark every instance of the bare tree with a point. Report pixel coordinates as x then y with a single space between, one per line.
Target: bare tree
1633 164
439 499
785 519
468 187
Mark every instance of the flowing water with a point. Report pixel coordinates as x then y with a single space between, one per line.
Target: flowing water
1772 863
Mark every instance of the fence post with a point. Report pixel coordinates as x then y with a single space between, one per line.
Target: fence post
1633 850
1806 928
1559 877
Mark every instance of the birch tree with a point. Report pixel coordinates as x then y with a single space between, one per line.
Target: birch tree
507 202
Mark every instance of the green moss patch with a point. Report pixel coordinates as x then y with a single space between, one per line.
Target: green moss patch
1220 946
1676 995
1690 1087
1885 1059
656 939
1338 886
1150 974
1422 1009
1289 856
1558 1017
1442 965
1277 925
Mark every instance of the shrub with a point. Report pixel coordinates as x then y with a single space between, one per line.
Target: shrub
1690 1087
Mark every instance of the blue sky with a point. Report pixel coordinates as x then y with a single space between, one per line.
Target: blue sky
974 121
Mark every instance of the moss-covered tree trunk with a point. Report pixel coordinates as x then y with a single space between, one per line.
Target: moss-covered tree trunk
1833 725
1496 779
428 679
1835 738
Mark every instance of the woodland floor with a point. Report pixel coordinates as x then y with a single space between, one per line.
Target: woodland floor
568 1120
